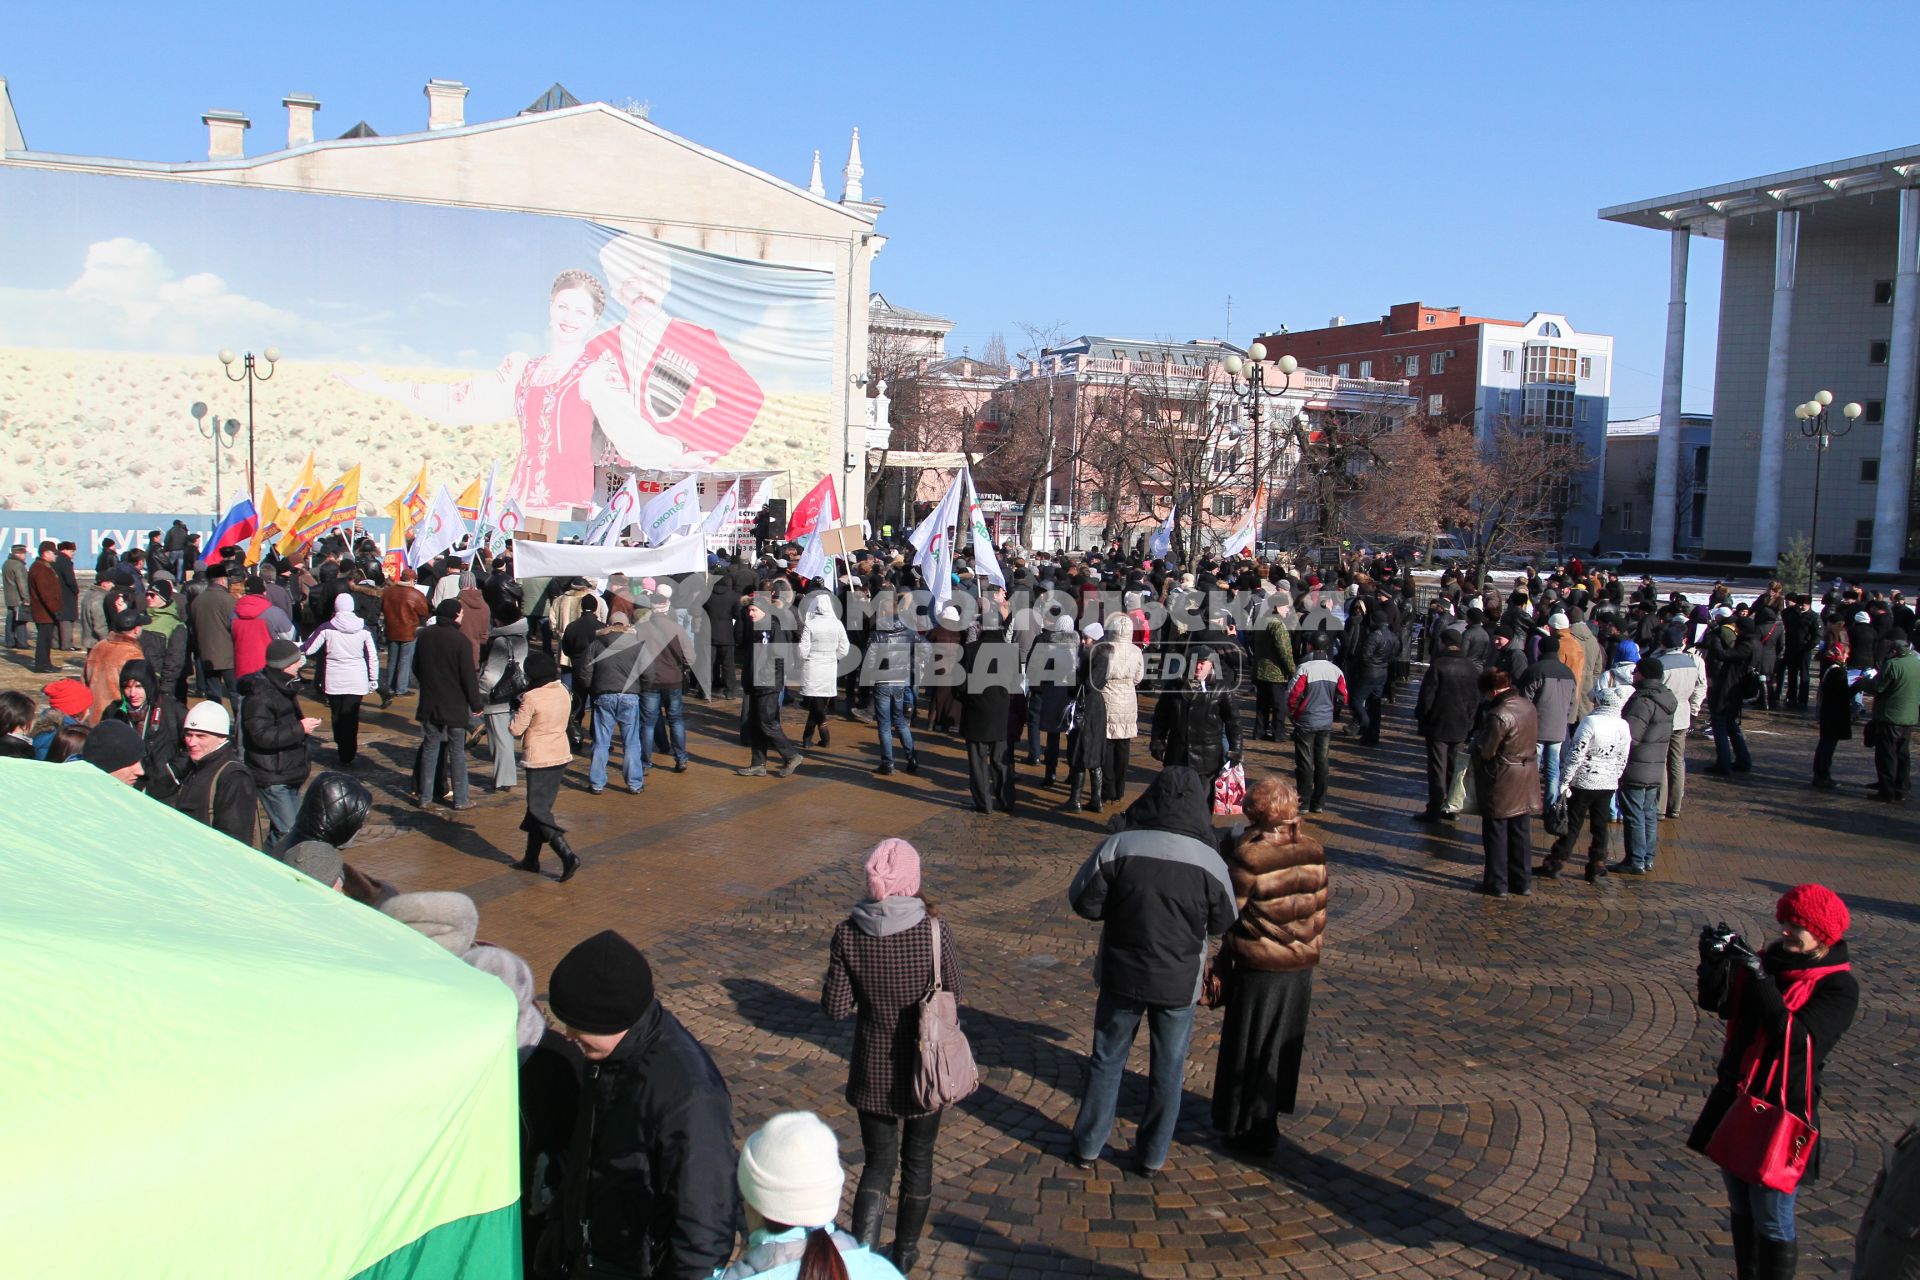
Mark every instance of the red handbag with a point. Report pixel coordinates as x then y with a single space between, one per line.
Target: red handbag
1759 1140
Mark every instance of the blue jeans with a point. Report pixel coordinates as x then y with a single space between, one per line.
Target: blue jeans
1641 809
651 703
282 803
1365 698
399 667
623 710
1771 1211
892 713
1729 744
433 737
1115 1023
1550 769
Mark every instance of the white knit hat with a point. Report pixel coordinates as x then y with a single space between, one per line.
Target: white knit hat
790 1170
1559 622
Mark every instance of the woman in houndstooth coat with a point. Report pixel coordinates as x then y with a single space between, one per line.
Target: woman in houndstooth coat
881 965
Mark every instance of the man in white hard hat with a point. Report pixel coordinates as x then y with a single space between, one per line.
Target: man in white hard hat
218 790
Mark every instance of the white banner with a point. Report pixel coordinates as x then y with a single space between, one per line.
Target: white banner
672 511
720 519
1241 538
935 560
563 560
985 562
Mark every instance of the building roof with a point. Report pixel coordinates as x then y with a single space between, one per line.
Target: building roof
1192 351
881 311
863 214
556 98
1627 428
1705 210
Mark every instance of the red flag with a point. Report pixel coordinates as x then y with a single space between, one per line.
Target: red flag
820 509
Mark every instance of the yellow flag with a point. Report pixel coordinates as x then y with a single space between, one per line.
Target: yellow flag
469 500
269 514
295 507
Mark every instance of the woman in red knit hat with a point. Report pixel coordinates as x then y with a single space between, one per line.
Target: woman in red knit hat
1789 1005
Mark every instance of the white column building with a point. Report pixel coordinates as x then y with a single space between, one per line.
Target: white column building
1820 291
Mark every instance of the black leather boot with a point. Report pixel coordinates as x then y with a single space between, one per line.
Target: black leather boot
532 861
869 1216
568 862
1076 783
1742 1246
906 1231
1097 787
1774 1259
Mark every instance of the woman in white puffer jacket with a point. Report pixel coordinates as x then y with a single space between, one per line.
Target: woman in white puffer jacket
1590 769
823 643
349 671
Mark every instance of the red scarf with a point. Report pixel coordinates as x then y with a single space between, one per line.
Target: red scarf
1796 988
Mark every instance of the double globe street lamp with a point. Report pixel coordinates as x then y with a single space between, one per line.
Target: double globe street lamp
1817 424
1248 379
249 374
222 434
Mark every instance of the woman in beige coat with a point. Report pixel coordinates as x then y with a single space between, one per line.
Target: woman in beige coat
540 722
1124 670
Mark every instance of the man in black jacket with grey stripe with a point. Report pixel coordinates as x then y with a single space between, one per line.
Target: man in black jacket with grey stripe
1160 889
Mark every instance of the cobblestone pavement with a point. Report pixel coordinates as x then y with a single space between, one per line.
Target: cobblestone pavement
1491 1088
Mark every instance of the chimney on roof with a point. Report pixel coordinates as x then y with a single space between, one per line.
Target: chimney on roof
300 108
226 134
446 104
1336 322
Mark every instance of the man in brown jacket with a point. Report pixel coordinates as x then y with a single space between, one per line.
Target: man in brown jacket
43 591
404 608
212 617
1506 752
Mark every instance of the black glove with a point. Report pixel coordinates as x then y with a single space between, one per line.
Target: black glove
1751 959
1715 939
1158 750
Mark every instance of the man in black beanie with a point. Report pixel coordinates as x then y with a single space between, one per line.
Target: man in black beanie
113 747
656 1195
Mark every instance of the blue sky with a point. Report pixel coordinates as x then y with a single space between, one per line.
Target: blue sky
1122 168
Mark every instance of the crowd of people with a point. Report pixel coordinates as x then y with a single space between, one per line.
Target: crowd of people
1570 696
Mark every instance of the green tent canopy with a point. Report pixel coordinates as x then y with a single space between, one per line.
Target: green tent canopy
212 1066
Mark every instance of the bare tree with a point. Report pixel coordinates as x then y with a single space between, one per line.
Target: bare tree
1333 461
1421 476
995 351
1184 432
1521 490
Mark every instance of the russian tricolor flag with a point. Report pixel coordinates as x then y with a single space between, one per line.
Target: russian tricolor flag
237 529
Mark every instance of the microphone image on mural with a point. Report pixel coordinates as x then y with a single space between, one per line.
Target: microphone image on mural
415 338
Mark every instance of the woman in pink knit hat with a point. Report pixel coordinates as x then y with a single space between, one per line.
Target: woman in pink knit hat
1785 1007
881 966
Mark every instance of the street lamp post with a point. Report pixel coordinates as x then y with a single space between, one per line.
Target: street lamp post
1816 424
249 374
1253 394
214 430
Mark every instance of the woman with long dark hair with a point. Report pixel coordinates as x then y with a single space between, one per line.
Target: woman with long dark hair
881 965
1265 967
1786 1007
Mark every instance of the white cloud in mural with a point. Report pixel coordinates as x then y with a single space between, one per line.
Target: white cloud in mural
126 298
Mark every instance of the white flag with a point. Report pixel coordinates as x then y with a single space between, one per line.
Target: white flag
985 562
815 564
511 519
925 529
935 560
1240 539
1160 541
440 529
483 528
719 521
621 512
671 511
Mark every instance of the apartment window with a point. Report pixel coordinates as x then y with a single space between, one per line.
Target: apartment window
1548 407
1700 466
1322 369
1586 366
1550 364
1428 318
1876 353
1580 408
1876 411
1437 362
1863 537
1344 367
1626 517
1436 404
1413 366
1869 471
1506 360
1366 368
1883 293
1225 504
1100 504
1548 329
